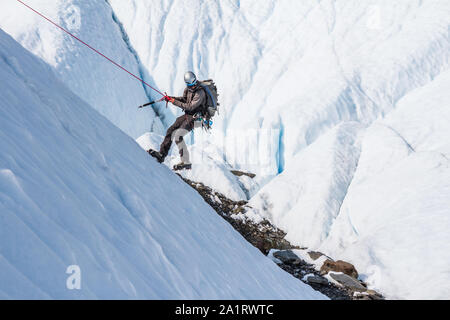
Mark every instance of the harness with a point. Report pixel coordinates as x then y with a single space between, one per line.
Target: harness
200 116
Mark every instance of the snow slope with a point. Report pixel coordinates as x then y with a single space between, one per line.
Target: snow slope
75 190
108 89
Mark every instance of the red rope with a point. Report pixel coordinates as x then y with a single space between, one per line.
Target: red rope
87 45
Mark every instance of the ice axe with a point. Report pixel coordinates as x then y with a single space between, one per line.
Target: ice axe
156 101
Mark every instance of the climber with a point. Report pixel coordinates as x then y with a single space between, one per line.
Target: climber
192 103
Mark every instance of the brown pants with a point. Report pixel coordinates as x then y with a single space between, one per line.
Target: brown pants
182 126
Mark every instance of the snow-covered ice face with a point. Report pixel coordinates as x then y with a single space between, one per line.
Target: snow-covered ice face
71 17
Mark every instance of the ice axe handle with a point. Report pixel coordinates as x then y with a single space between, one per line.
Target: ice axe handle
146 105
167 102
150 103
153 102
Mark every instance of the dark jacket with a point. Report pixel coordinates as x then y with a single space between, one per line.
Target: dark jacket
192 100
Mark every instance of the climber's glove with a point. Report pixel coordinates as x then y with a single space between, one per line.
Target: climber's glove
169 99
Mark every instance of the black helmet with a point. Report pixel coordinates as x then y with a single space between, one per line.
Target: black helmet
190 79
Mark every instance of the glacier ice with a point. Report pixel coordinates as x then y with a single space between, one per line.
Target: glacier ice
341 103
299 66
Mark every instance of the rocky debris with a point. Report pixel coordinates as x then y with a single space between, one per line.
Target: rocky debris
346 275
238 173
367 295
348 281
264 236
316 255
288 257
373 295
317 280
339 266
305 272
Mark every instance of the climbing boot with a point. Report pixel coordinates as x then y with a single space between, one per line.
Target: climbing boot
182 166
155 154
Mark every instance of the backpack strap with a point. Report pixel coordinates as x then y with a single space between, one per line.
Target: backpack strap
209 93
203 111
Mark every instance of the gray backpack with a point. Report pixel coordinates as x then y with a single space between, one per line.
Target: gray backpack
212 103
